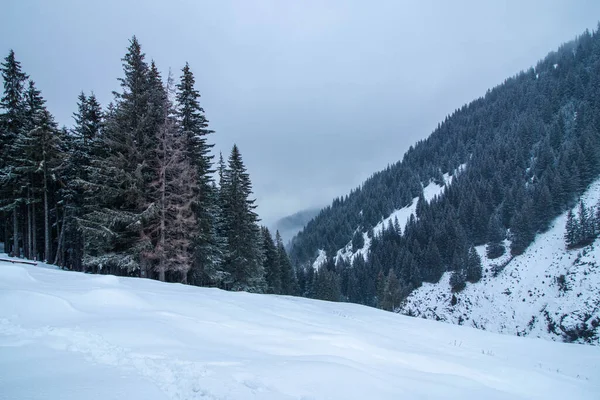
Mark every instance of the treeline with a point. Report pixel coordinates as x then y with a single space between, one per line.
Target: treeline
531 146
130 189
582 228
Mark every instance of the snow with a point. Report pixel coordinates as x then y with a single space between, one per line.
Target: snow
320 260
525 298
348 254
68 335
402 214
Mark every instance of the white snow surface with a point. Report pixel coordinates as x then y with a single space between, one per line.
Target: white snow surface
68 335
320 260
525 298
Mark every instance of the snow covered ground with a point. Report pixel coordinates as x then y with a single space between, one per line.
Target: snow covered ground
68 335
527 297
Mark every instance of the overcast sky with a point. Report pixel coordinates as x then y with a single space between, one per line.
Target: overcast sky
317 94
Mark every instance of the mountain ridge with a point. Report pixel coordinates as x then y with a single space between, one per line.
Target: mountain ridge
531 149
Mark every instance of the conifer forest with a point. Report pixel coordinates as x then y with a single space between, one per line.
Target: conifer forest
132 188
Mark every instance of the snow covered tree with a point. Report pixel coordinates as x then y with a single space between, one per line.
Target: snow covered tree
571 238
391 292
585 224
458 280
176 185
358 241
35 155
327 284
119 202
473 266
208 246
242 253
11 125
84 145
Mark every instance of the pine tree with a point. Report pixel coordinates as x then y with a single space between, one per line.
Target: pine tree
177 186
271 262
208 246
473 266
289 283
242 252
380 287
84 146
458 280
585 224
119 196
391 292
571 230
495 237
35 155
11 126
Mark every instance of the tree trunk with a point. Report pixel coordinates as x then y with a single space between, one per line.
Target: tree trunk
30 254
6 233
15 250
163 189
47 242
23 235
58 260
34 233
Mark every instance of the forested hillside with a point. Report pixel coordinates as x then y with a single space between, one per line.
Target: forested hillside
130 188
518 157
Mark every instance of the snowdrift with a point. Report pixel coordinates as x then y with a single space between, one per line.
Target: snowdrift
68 335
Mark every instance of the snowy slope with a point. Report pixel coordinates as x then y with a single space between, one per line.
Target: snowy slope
430 192
67 335
526 297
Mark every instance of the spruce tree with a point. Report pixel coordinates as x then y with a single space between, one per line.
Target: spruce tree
176 185
35 155
117 201
571 230
473 266
208 245
11 126
495 237
458 280
289 284
242 252
271 263
391 292
585 224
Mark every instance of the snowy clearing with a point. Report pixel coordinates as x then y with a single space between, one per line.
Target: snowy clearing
68 335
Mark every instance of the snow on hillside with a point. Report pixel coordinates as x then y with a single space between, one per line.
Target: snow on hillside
430 192
546 292
320 260
68 335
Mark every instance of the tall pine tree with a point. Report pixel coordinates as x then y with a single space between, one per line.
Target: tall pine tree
242 253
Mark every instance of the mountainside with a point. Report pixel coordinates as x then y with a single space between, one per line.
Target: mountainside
548 291
486 185
289 226
72 333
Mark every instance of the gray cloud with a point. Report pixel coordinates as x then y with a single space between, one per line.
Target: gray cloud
318 95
